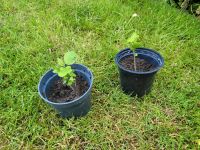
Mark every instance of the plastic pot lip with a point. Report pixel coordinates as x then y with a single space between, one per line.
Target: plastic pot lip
136 72
72 101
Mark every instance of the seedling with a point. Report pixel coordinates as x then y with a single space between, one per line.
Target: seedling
134 43
64 69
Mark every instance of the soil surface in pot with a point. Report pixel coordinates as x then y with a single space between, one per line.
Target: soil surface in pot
142 65
60 92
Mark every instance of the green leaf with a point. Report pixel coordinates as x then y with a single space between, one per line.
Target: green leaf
56 70
63 72
73 74
134 38
60 62
71 81
68 69
136 45
70 57
134 42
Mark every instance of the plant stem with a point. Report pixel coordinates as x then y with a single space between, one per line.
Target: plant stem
135 67
75 84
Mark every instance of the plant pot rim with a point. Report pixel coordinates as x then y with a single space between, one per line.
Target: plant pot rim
69 102
117 60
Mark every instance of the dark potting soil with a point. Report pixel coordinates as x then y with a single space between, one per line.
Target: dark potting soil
142 65
60 92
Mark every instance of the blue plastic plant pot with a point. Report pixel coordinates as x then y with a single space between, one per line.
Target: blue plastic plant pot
135 82
75 108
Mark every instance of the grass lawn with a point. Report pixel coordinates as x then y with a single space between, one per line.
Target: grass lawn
33 34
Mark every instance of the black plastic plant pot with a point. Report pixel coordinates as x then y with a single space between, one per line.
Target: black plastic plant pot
136 82
75 108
